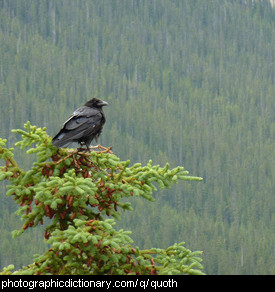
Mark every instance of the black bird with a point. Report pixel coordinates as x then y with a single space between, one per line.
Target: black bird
83 125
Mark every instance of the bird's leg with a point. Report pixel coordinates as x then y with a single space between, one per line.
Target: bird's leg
88 148
81 148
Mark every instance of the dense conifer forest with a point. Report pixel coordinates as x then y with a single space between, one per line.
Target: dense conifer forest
188 82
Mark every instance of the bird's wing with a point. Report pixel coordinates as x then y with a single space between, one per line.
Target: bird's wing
83 117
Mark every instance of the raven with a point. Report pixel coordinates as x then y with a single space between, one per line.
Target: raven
83 125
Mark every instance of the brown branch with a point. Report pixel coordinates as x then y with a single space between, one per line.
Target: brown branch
102 149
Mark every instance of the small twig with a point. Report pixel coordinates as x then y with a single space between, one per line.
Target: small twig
79 151
102 149
61 160
75 162
15 166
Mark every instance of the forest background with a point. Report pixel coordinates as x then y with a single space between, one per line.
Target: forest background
188 82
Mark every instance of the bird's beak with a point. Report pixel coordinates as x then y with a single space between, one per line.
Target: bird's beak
103 103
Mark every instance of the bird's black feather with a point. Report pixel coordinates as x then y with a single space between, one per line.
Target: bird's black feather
83 125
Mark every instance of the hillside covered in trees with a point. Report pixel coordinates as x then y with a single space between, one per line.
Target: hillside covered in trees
189 82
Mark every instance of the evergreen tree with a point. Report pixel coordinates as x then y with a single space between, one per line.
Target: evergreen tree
81 193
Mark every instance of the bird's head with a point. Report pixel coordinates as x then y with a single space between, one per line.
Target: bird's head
95 102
